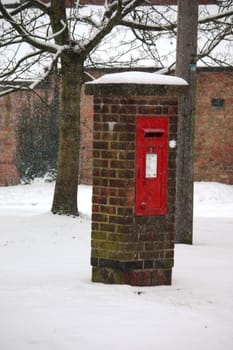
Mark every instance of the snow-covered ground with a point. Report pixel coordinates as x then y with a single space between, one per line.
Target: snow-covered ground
48 302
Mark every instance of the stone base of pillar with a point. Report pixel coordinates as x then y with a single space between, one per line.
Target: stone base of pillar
134 278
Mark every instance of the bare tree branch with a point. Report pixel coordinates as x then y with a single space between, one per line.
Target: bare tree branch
121 11
18 63
26 36
28 4
37 37
215 17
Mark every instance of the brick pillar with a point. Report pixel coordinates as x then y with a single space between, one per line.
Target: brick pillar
126 248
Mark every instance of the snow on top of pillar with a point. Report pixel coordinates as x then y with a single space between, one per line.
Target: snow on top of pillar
135 77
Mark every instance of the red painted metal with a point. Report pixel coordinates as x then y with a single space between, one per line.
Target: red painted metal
151 165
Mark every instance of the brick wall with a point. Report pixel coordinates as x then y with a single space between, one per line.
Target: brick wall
213 134
13 108
213 130
214 127
86 139
136 250
8 171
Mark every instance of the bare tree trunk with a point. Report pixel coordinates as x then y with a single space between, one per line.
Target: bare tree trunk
186 68
65 195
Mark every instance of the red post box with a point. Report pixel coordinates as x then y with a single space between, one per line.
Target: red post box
151 165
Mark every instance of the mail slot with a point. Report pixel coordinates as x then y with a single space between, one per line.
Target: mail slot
151 165
153 132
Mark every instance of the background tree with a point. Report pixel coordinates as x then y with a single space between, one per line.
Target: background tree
214 30
186 60
37 37
37 133
186 66
51 32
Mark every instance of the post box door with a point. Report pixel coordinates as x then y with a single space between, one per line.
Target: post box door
151 165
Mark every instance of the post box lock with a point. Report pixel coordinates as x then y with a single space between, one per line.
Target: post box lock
151 165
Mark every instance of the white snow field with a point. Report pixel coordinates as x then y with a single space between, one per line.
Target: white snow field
48 302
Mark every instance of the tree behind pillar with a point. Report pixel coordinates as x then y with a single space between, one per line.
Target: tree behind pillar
186 68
